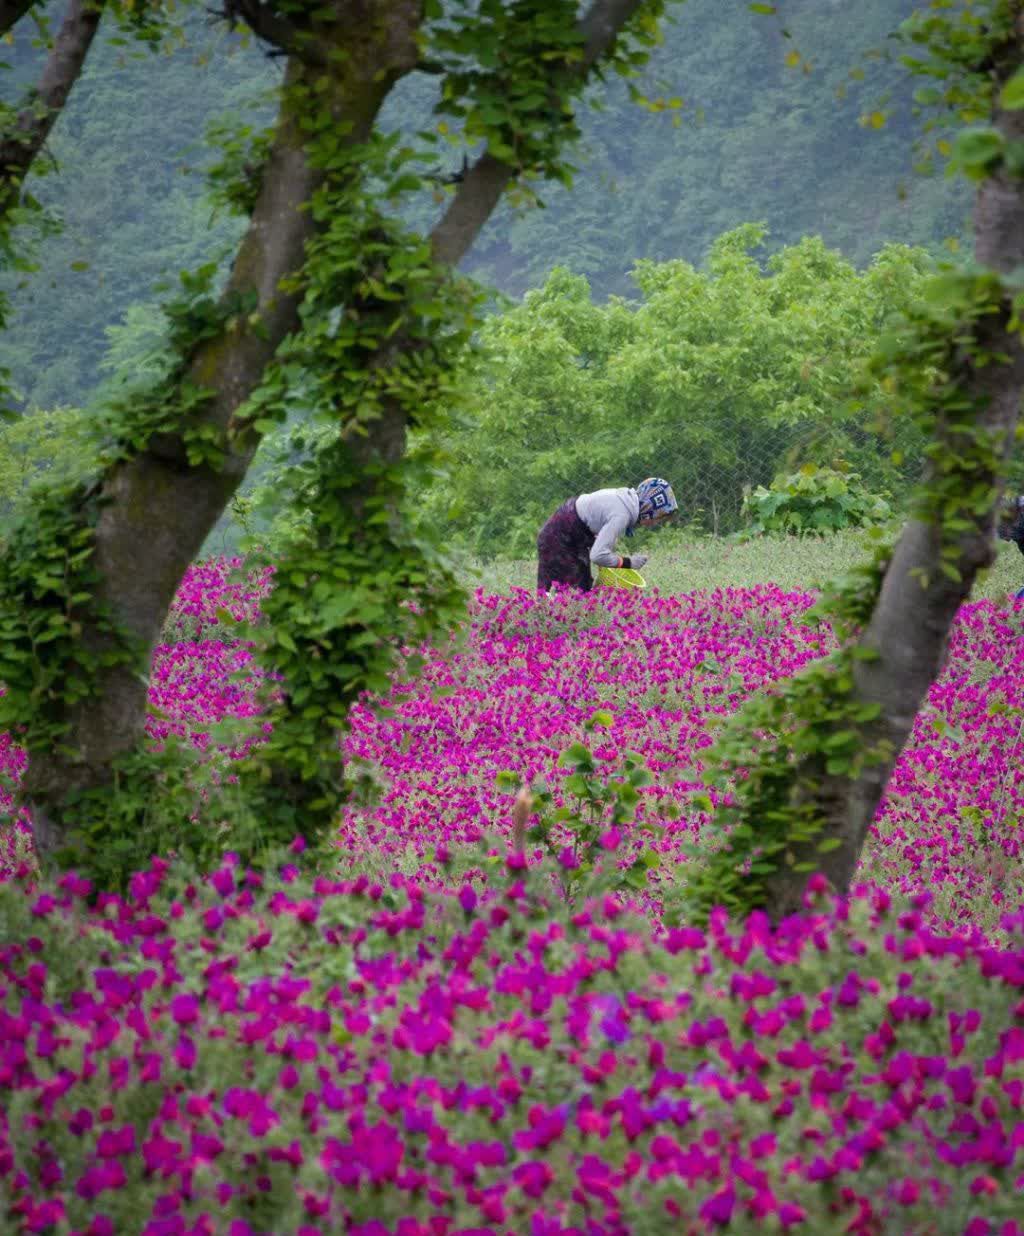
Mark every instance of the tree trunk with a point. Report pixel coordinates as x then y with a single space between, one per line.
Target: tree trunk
21 143
909 628
375 445
158 508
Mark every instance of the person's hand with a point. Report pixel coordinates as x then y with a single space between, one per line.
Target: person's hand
638 561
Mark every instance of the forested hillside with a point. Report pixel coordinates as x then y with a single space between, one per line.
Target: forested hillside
760 135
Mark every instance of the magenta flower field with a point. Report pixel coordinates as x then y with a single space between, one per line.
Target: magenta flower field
429 1040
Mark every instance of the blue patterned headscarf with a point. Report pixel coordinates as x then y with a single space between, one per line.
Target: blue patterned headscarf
656 498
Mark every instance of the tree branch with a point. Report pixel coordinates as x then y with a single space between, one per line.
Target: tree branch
12 11
270 25
478 193
481 188
22 143
601 25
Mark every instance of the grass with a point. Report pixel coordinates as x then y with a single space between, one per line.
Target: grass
683 562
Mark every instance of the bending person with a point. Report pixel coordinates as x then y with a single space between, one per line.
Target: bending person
585 530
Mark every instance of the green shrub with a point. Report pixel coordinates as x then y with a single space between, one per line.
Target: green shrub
814 501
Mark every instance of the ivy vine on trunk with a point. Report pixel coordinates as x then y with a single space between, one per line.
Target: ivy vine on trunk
826 741
330 296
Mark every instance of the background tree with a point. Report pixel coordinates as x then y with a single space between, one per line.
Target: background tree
51 444
26 125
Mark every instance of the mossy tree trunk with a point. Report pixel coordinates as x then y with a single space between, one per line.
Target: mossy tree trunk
936 559
157 506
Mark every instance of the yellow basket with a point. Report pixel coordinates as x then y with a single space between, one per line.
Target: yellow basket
620 577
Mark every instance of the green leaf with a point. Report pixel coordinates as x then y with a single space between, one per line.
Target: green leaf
576 784
976 151
577 756
1012 97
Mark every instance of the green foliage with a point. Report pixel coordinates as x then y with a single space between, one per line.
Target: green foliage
582 835
532 44
235 181
171 801
507 65
57 444
977 152
949 42
48 580
137 354
171 402
762 141
923 363
814 501
716 379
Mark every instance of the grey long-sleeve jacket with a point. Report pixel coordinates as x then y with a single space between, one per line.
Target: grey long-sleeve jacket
608 513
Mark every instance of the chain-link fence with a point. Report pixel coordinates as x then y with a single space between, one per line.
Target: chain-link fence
875 461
